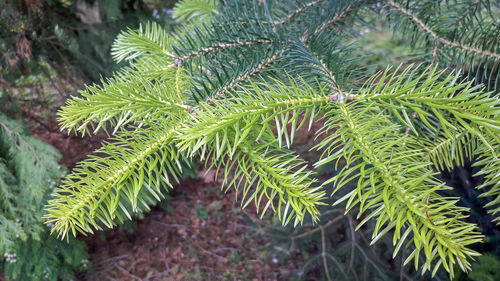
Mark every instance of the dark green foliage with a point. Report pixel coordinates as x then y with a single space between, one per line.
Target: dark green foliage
486 269
47 259
29 173
463 34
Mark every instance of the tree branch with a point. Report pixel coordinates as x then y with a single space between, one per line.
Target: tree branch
269 61
439 39
305 39
295 13
468 11
180 60
272 59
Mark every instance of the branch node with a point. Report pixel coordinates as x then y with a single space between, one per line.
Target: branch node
177 62
341 97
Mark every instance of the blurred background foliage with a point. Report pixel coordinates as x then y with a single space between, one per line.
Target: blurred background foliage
50 48
29 173
64 33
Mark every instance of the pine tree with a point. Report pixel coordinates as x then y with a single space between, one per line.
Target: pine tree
233 91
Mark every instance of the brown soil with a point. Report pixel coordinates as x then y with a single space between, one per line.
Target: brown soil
72 147
201 235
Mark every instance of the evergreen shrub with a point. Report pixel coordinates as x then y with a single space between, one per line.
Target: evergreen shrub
29 175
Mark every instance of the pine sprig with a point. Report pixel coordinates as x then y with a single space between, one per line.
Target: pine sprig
490 169
447 151
396 188
469 43
128 175
195 10
437 102
285 107
266 171
150 39
237 138
127 98
442 40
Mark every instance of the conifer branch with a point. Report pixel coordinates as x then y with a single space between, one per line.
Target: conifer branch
439 39
18 139
399 204
295 13
439 153
93 192
196 11
490 170
121 100
284 175
148 39
250 158
458 101
470 10
346 12
263 65
225 108
180 60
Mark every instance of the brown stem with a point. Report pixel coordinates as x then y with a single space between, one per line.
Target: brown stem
427 211
434 55
179 60
295 13
305 39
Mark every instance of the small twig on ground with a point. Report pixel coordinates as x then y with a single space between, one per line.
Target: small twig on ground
211 253
176 225
127 272
112 259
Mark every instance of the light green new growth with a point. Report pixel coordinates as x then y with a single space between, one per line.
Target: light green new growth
235 92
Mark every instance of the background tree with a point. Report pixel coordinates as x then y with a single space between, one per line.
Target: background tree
29 174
